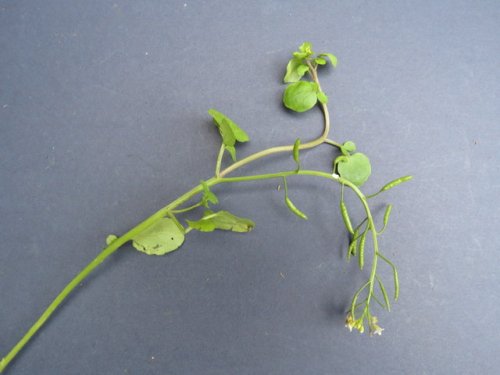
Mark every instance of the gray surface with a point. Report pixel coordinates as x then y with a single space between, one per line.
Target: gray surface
103 120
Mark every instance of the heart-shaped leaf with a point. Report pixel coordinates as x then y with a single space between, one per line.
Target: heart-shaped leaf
355 168
300 96
160 238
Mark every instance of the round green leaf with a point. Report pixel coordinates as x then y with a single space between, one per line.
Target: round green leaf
300 96
355 168
160 238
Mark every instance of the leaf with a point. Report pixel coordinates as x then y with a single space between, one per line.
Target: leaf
228 137
305 50
322 97
348 148
331 57
223 220
228 128
294 209
296 149
110 238
208 196
320 61
160 238
232 151
295 70
356 168
300 96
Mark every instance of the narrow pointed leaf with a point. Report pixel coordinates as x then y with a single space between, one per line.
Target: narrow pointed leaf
222 220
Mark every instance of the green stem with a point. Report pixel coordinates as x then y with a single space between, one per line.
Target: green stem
288 148
371 225
110 249
218 178
332 143
219 160
182 210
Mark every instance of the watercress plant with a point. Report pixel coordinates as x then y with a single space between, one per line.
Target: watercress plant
166 230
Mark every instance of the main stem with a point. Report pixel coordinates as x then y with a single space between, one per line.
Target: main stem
128 236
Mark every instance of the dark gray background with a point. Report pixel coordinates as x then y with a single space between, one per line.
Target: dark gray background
103 120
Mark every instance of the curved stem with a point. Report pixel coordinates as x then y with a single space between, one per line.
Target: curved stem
218 178
110 249
332 143
288 148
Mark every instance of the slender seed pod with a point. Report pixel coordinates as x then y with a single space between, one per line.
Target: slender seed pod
294 209
345 217
396 283
361 256
384 293
387 214
396 182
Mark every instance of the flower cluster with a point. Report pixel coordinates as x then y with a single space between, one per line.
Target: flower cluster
358 324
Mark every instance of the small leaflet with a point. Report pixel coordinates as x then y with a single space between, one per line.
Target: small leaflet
331 57
222 220
295 70
323 99
110 238
208 196
348 148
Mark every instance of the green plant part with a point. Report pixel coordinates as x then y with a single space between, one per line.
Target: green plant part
221 220
355 168
160 238
164 232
